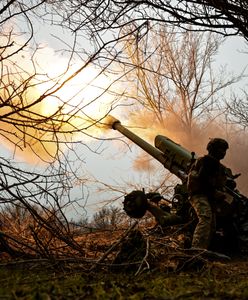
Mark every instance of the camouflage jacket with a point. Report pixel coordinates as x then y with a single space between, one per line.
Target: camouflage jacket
206 176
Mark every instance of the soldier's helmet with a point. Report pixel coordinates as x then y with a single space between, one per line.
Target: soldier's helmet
135 204
217 143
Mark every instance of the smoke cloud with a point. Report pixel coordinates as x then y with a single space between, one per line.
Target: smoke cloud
147 126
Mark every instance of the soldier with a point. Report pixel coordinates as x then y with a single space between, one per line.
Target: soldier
205 185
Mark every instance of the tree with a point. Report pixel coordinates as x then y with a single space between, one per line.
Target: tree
108 218
40 120
175 89
227 17
33 212
238 110
175 78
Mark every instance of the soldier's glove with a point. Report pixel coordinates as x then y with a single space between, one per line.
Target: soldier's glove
154 197
135 204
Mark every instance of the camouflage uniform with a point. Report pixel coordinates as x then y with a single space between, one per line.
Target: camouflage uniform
205 183
206 221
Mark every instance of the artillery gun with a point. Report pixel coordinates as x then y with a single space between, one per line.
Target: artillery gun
178 160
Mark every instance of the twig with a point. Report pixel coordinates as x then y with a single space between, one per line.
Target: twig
113 246
144 258
47 260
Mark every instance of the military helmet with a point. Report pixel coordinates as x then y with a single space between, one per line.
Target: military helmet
217 143
135 204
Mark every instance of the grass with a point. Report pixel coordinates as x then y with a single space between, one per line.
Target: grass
215 281
174 274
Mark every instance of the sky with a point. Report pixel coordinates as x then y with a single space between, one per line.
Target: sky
116 161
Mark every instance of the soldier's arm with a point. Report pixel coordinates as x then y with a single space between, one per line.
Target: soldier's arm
162 217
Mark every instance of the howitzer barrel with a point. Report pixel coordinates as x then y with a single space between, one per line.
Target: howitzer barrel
168 161
179 156
154 152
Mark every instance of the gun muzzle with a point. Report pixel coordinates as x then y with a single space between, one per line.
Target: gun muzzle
154 152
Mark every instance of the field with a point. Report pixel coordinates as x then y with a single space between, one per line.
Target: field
45 280
150 267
